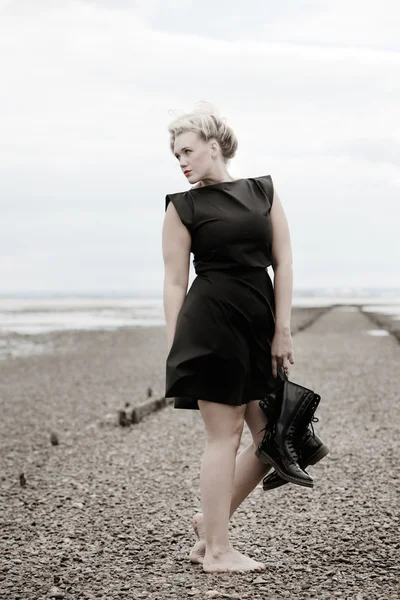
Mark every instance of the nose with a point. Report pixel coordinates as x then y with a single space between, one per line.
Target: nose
183 164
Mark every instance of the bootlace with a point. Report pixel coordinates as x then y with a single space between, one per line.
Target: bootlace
290 445
309 417
268 430
313 420
268 409
291 437
295 444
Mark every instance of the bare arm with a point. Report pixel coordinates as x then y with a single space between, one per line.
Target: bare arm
176 244
282 265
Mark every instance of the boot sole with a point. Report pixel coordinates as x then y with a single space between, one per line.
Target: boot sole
319 455
267 460
322 452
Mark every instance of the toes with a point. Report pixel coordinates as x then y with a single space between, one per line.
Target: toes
195 528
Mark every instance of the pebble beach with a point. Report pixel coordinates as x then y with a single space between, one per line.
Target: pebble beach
91 509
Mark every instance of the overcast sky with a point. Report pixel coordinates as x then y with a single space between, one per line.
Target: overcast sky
311 88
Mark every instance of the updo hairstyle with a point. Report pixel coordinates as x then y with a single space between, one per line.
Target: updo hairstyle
206 122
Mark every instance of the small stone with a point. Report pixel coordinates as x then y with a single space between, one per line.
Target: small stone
54 439
55 592
22 480
123 420
216 594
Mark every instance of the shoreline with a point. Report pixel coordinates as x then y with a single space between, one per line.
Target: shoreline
19 344
13 345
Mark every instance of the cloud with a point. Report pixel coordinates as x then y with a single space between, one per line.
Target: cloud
311 89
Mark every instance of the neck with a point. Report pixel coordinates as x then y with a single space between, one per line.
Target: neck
220 178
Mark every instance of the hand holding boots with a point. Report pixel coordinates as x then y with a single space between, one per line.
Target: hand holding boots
309 447
288 444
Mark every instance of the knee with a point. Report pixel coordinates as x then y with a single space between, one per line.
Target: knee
229 438
225 443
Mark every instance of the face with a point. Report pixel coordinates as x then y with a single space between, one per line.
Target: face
194 156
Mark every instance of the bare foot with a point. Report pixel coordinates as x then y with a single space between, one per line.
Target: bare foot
229 561
199 549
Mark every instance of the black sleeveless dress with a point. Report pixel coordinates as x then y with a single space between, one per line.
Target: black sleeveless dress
221 350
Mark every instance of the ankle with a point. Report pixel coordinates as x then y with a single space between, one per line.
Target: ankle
216 551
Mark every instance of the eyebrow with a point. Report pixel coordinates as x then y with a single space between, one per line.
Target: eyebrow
185 148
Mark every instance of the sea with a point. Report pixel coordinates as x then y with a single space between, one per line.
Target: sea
38 313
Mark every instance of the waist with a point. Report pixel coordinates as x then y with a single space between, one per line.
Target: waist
232 269
229 268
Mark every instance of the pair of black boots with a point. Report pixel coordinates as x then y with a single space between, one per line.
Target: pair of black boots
289 444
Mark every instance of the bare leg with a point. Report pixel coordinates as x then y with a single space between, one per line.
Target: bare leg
249 471
248 474
224 426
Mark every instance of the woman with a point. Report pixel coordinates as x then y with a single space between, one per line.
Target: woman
231 332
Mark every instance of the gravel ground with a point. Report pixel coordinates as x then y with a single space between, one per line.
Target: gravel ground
390 322
106 512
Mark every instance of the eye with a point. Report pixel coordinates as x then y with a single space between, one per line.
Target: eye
186 150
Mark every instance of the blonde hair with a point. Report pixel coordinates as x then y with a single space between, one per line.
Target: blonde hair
207 123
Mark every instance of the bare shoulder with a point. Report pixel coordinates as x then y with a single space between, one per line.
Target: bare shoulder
276 201
277 212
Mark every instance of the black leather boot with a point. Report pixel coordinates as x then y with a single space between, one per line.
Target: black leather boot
309 447
272 406
310 451
278 445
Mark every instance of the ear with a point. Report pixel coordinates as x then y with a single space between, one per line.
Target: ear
214 147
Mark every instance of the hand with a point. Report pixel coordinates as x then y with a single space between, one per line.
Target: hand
281 351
